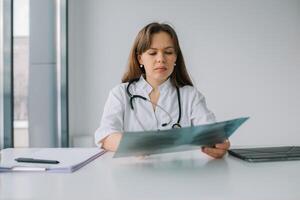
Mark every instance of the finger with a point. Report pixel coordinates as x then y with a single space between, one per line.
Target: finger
213 155
213 152
225 145
210 154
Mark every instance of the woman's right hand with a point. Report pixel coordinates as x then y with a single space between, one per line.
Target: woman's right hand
111 142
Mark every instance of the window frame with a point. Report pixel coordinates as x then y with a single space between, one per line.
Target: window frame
8 138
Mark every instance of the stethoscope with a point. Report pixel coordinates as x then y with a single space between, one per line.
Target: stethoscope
132 97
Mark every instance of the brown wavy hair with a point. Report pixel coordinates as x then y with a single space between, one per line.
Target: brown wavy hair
142 43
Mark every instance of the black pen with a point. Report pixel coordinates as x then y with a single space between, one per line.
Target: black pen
32 160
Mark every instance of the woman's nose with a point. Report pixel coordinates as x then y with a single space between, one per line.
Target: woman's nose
161 57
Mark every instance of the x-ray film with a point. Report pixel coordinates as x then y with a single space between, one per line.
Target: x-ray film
175 140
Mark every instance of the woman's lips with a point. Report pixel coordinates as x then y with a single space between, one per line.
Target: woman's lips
160 69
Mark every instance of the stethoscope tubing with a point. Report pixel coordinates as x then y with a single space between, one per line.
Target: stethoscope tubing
132 97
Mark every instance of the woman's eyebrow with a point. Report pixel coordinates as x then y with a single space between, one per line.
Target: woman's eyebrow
170 47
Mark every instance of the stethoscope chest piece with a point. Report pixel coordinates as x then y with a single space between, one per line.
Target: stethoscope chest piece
176 125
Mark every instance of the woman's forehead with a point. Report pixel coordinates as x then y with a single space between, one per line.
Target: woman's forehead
161 40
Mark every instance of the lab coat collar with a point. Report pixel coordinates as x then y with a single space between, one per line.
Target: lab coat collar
142 84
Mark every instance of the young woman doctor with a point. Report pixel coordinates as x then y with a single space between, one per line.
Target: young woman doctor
156 92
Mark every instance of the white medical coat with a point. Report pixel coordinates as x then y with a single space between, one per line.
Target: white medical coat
119 117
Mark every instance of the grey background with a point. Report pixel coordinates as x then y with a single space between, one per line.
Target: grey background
242 55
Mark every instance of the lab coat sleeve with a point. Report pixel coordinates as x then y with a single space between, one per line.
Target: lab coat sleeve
200 114
112 117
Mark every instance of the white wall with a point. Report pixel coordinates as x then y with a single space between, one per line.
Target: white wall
243 55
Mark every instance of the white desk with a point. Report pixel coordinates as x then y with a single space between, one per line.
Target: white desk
186 175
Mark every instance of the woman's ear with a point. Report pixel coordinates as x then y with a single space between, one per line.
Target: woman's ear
139 57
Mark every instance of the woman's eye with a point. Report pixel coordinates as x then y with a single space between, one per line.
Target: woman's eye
169 52
152 53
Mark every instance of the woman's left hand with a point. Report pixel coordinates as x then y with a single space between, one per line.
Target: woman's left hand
218 151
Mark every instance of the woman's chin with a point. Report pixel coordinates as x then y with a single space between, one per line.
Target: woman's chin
163 75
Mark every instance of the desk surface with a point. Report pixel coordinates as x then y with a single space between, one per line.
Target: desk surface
186 175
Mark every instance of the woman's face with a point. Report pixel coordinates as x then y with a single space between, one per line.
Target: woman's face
159 59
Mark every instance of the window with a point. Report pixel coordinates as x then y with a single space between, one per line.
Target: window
45 68
21 68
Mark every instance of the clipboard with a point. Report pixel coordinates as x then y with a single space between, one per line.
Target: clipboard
70 159
267 154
